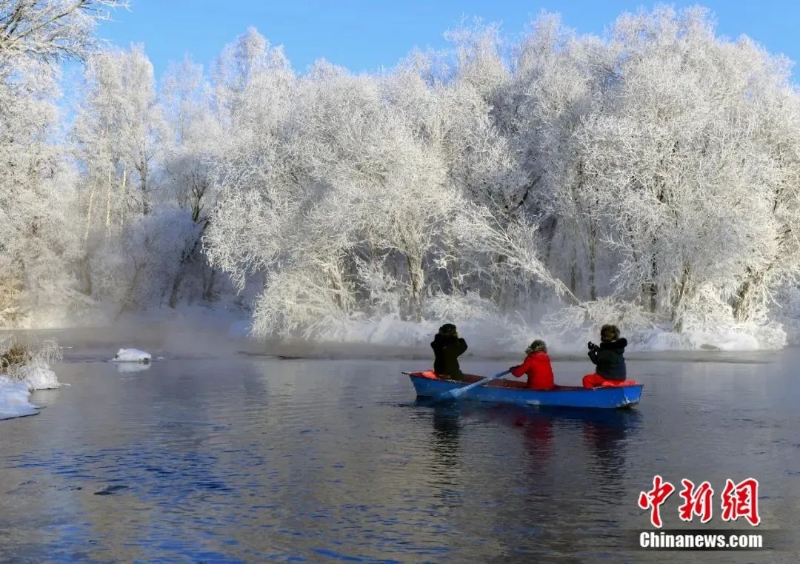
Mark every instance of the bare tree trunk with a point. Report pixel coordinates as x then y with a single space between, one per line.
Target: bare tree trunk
130 300
551 228
337 284
209 289
416 275
573 272
745 297
652 288
143 172
109 193
592 261
453 269
498 290
108 203
680 296
176 284
123 194
89 214
87 275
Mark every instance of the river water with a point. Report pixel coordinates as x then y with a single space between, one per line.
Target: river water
252 459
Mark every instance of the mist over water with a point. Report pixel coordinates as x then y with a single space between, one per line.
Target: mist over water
215 455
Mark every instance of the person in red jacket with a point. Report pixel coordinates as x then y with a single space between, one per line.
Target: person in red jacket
537 367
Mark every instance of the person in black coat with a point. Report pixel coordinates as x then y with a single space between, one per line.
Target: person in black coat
608 358
447 347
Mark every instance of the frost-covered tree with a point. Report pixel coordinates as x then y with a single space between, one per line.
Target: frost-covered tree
644 176
36 242
37 245
195 146
674 159
352 196
118 130
50 30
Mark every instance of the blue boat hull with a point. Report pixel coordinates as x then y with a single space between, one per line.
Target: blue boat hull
501 392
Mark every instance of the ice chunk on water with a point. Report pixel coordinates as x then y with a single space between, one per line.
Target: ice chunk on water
132 355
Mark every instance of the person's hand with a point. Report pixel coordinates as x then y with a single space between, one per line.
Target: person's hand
592 346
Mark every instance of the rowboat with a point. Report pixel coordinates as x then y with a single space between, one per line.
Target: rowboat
427 385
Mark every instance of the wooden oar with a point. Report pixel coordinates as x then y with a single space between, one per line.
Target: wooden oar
454 393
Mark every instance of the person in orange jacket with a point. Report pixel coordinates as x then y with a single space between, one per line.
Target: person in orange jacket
537 366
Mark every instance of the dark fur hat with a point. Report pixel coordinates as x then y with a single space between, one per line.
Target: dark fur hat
609 333
537 345
448 329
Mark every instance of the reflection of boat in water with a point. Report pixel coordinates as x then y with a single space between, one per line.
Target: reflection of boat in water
446 429
606 435
427 384
597 422
445 446
624 420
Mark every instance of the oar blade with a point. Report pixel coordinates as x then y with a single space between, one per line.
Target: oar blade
452 394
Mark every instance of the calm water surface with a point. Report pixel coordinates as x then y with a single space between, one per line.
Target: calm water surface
251 459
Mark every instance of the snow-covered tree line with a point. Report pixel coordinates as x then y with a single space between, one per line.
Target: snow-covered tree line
646 176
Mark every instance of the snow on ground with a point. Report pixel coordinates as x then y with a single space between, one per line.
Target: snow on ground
38 376
14 397
15 390
132 355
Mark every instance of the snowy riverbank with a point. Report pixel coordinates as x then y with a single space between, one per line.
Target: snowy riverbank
25 368
16 390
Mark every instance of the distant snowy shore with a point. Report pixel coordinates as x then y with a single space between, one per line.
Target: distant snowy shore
205 333
488 337
210 330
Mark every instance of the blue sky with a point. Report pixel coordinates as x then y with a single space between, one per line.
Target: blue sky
365 35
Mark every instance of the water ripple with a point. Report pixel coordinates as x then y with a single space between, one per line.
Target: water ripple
306 461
